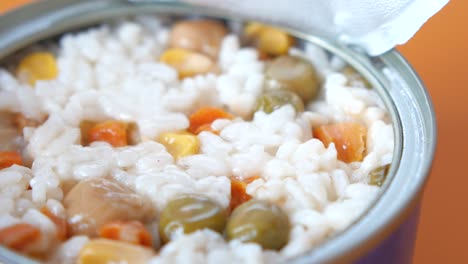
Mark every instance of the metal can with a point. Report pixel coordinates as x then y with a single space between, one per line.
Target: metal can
385 233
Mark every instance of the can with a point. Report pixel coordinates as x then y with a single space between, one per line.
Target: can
385 233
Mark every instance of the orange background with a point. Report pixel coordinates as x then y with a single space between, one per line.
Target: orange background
439 53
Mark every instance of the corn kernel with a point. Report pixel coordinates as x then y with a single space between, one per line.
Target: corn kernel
36 67
180 144
274 41
187 63
269 40
103 251
253 29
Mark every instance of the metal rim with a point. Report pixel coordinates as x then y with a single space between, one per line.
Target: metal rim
412 111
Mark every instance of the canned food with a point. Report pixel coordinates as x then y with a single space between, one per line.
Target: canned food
376 236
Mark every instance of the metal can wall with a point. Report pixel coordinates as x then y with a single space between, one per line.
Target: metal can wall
392 214
398 247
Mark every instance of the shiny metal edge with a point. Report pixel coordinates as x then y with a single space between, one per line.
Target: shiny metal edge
412 113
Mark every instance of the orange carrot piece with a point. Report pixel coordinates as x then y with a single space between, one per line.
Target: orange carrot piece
60 223
349 139
9 158
112 132
238 192
206 115
19 236
21 121
263 56
128 231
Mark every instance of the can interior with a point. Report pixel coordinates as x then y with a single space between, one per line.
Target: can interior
36 23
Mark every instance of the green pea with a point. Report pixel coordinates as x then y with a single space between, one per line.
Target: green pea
274 99
190 213
259 222
378 175
294 74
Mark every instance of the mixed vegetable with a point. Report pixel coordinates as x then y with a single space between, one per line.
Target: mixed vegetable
274 99
191 213
259 222
239 194
37 66
116 133
112 201
9 158
128 231
119 221
270 41
103 251
349 139
293 74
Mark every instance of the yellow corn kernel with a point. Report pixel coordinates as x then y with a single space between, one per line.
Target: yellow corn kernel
180 144
103 251
253 29
274 41
36 67
269 40
187 63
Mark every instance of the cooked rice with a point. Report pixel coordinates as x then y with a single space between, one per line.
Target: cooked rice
110 72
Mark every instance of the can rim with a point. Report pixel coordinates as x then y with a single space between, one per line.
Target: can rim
390 72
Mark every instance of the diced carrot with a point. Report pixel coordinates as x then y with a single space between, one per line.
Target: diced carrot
133 134
112 132
85 127
263 56
9 158
349 139
19 236
238 192
206 115
21 121
206 127
60 223
128 231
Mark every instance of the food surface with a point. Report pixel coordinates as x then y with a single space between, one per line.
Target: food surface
152 140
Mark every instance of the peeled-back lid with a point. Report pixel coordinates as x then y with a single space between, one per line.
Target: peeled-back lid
374 25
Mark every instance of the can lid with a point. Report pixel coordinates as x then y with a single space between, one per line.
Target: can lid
373 25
